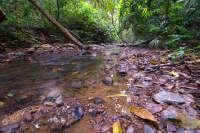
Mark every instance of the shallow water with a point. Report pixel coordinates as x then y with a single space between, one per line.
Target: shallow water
24 83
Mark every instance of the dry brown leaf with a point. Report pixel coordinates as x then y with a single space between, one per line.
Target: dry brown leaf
142 113
117 127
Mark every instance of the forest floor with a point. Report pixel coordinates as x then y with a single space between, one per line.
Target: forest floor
111 88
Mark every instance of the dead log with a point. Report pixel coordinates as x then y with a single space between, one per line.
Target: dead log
64 30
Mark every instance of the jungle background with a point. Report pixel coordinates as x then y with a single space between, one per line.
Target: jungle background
153 23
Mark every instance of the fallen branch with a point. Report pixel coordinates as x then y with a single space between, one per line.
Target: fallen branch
64 30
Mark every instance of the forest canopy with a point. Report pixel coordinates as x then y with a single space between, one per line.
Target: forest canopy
158 23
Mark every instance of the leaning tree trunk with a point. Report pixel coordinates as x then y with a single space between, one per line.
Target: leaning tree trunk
64 30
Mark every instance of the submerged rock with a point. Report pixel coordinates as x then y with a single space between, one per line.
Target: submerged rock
10 128
130 129
76 85
149 129
122 70
168 97
182 130
169 113
154 108
107 81
98 100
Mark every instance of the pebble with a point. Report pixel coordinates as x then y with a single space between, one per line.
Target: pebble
98 100
76 85
168 97
10 128
169 113
107 81
130 129
154 108
148 129
27 117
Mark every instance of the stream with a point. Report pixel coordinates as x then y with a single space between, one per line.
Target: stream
58 89
25 83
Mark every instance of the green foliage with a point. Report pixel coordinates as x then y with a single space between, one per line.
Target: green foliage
172 21
81 16
178 54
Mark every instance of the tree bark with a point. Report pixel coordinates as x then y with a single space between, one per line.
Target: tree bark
2 16
64 30
58 9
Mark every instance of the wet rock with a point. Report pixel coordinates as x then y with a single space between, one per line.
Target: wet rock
98 100
130 129
64 117
188 99
149 129
46 103
53 94
27 117
94 112
169 113
59 101
191 112
76 85
182 130
154 108
74 115
107 81
105 128
168 97
10 128
122 70
171 127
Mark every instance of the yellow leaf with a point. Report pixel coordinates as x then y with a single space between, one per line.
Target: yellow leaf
75 73
187 122
117 127
117 95
153 62
142 113
174 74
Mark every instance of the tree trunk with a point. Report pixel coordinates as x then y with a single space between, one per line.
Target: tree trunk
58 9
64 30
2 16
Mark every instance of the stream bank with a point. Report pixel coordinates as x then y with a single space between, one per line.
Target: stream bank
59 89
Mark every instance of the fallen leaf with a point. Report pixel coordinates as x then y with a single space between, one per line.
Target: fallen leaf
10 95
187 122
142 113
174 74
117 95
1 104
154 62
117 127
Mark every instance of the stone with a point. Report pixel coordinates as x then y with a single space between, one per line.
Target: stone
168 97
59 101
10 128
130 129
122 71
154 108
107 81
191 112
94 112
76 85
169 113
182 130
105 128
171 127
98 100
27 117
148 129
